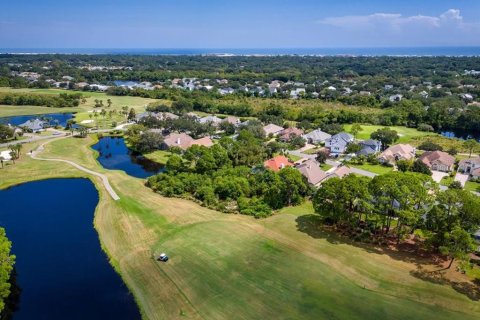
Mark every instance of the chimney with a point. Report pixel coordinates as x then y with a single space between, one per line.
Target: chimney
178 141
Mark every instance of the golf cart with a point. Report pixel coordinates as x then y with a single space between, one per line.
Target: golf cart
163 257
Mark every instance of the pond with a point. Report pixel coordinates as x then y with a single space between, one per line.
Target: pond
62 118
115 155
61 269
460 134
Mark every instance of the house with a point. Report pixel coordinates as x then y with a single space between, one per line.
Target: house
438 160
369 147
424 94
338 143
468 166
310 169
232 120
224 91
214 120
34 125
184 141
340 172
205 141
388 87
395 98
290 133
397 152
316 136
272 129
181 140
277 163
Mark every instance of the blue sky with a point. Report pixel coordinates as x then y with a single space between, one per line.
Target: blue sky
238 24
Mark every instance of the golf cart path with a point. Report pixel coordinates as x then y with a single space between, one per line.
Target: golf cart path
104 178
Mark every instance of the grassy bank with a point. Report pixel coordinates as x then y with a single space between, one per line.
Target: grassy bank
235 267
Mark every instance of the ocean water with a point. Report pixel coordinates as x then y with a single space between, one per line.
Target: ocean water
372 51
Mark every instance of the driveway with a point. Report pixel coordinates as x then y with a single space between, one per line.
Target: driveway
437 176
462 178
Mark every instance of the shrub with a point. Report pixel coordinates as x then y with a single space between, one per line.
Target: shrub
430 146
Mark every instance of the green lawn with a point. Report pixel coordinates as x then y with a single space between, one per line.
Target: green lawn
325 167
375 168
406 134
472 186
159 156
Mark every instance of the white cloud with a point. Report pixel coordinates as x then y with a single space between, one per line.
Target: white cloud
395 21
448 28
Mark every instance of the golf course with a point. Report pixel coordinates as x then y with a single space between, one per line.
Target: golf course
236 267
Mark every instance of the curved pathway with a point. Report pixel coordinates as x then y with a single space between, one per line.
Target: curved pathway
104 178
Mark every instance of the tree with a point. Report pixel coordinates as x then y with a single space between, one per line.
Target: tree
356 128
404 165
227 127
7 260
5 132
148 141
419 166
353 148
430 146
321 156
175 164
109 103
455 185
131 114
386 136
457 244
293 188
471 145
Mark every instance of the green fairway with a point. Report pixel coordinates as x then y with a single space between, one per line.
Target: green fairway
406 134
236 267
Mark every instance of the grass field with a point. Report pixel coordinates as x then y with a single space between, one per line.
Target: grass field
375 168
235 267
406 134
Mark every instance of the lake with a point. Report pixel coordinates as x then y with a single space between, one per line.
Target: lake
115 155
61 269
62 118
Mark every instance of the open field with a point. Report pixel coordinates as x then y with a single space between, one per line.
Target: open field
375 168
406 134
235 267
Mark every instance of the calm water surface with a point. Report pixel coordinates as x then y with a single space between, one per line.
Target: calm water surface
115 155
61 270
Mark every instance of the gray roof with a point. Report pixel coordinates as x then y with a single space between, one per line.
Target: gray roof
341 138
34 125
317 135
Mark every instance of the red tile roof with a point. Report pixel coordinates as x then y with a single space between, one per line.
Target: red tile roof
277 163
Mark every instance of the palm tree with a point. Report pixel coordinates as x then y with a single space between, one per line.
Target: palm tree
471 145
12 154
109 103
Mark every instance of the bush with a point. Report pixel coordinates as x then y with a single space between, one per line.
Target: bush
430 146
425 127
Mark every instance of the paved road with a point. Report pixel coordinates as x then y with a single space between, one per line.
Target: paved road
333 163
462 178
104 178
